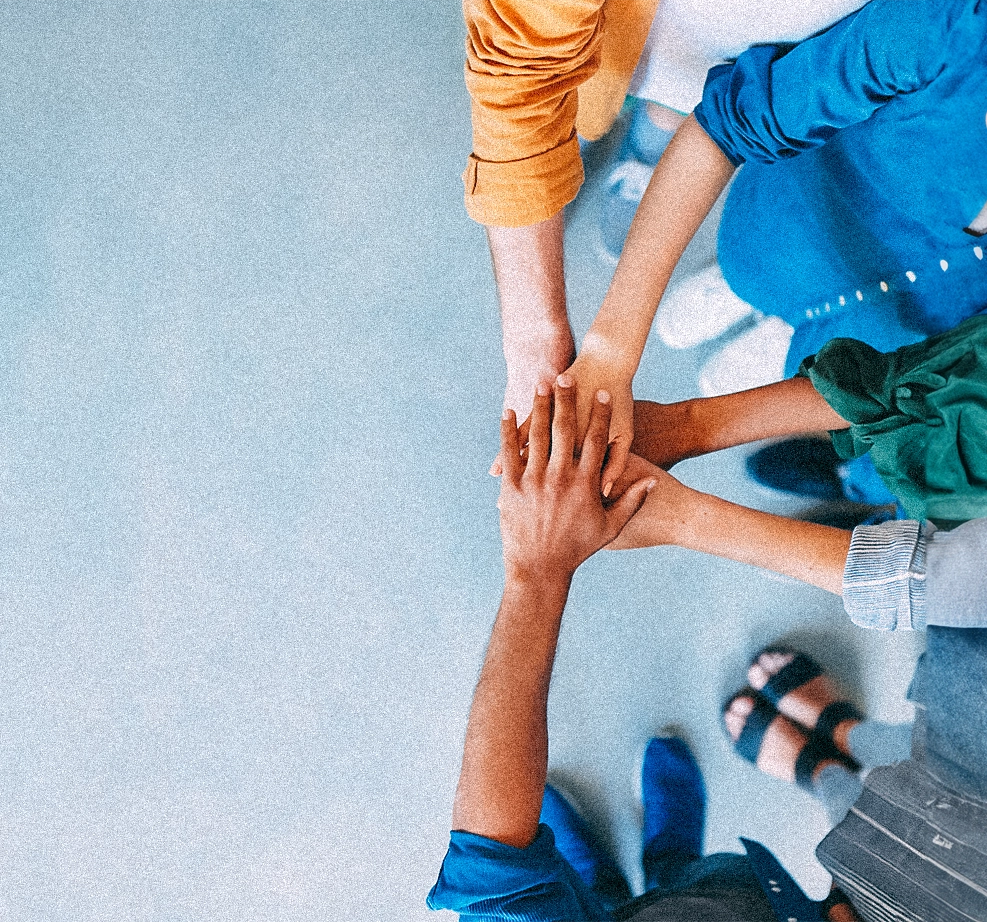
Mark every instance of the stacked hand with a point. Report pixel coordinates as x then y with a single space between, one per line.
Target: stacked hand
666 508
553 514
594 369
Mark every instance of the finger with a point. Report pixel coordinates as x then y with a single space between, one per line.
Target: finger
539 428
563 422
497 468
510 458
619 514
595 441
616 462
522 433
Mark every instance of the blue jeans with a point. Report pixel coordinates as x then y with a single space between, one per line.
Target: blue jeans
950 687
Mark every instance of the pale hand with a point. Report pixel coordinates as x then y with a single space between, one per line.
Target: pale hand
665 508
532 360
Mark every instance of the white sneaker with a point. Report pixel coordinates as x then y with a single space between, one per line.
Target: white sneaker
698 309
623 191
751 360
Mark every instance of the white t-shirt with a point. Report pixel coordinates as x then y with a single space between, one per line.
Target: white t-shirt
688 37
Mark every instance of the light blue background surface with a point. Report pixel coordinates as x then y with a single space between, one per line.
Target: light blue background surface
250 381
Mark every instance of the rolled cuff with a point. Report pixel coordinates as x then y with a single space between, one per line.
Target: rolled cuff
517 193
884 578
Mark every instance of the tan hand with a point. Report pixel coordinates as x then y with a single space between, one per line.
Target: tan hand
593 372
552 513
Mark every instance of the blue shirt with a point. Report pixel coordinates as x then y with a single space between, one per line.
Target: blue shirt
865 152
483 879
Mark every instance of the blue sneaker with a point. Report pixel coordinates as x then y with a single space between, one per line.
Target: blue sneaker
811 467
806 466
674 800
577 845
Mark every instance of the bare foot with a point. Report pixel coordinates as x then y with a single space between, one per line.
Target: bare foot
781 744
805 703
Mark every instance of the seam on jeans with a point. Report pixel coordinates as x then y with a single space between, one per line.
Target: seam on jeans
942 867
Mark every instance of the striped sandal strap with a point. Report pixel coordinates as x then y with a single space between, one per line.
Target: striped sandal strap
814 752
834 714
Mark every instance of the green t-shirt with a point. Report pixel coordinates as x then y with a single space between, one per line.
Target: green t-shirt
921 413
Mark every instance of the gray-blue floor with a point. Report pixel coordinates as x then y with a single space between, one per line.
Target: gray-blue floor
250 381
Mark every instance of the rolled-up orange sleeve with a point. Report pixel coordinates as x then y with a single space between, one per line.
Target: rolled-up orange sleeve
525 60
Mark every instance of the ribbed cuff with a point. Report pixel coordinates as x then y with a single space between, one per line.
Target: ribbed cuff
884 578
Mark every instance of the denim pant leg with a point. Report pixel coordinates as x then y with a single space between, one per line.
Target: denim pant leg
950 687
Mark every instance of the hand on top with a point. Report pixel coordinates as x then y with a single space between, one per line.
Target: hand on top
552 511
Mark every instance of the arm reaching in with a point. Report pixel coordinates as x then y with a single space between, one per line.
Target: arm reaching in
675 514
552 519
666 433
538 344
686 183
525 64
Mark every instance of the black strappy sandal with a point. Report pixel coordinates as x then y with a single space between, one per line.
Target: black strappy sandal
801 670
816 749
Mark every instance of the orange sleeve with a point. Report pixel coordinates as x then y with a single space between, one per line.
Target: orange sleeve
525 60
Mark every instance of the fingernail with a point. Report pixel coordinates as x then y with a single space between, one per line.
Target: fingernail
650 485
507 413
608 488
564 380
603 396
543 390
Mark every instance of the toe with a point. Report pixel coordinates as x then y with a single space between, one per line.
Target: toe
736 714
767 665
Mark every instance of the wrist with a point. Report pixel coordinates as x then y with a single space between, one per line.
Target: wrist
688 514
703 424
540 577
620 357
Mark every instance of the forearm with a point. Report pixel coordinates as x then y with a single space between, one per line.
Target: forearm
814 554
538 342
786 408
686 183
699 426
505 757
675 514
528 268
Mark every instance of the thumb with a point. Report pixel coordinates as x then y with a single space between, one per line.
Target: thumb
619 514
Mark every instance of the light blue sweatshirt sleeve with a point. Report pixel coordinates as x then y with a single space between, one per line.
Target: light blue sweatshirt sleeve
907 576
779 100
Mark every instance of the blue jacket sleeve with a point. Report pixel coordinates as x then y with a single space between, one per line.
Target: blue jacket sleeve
482 880
779 100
